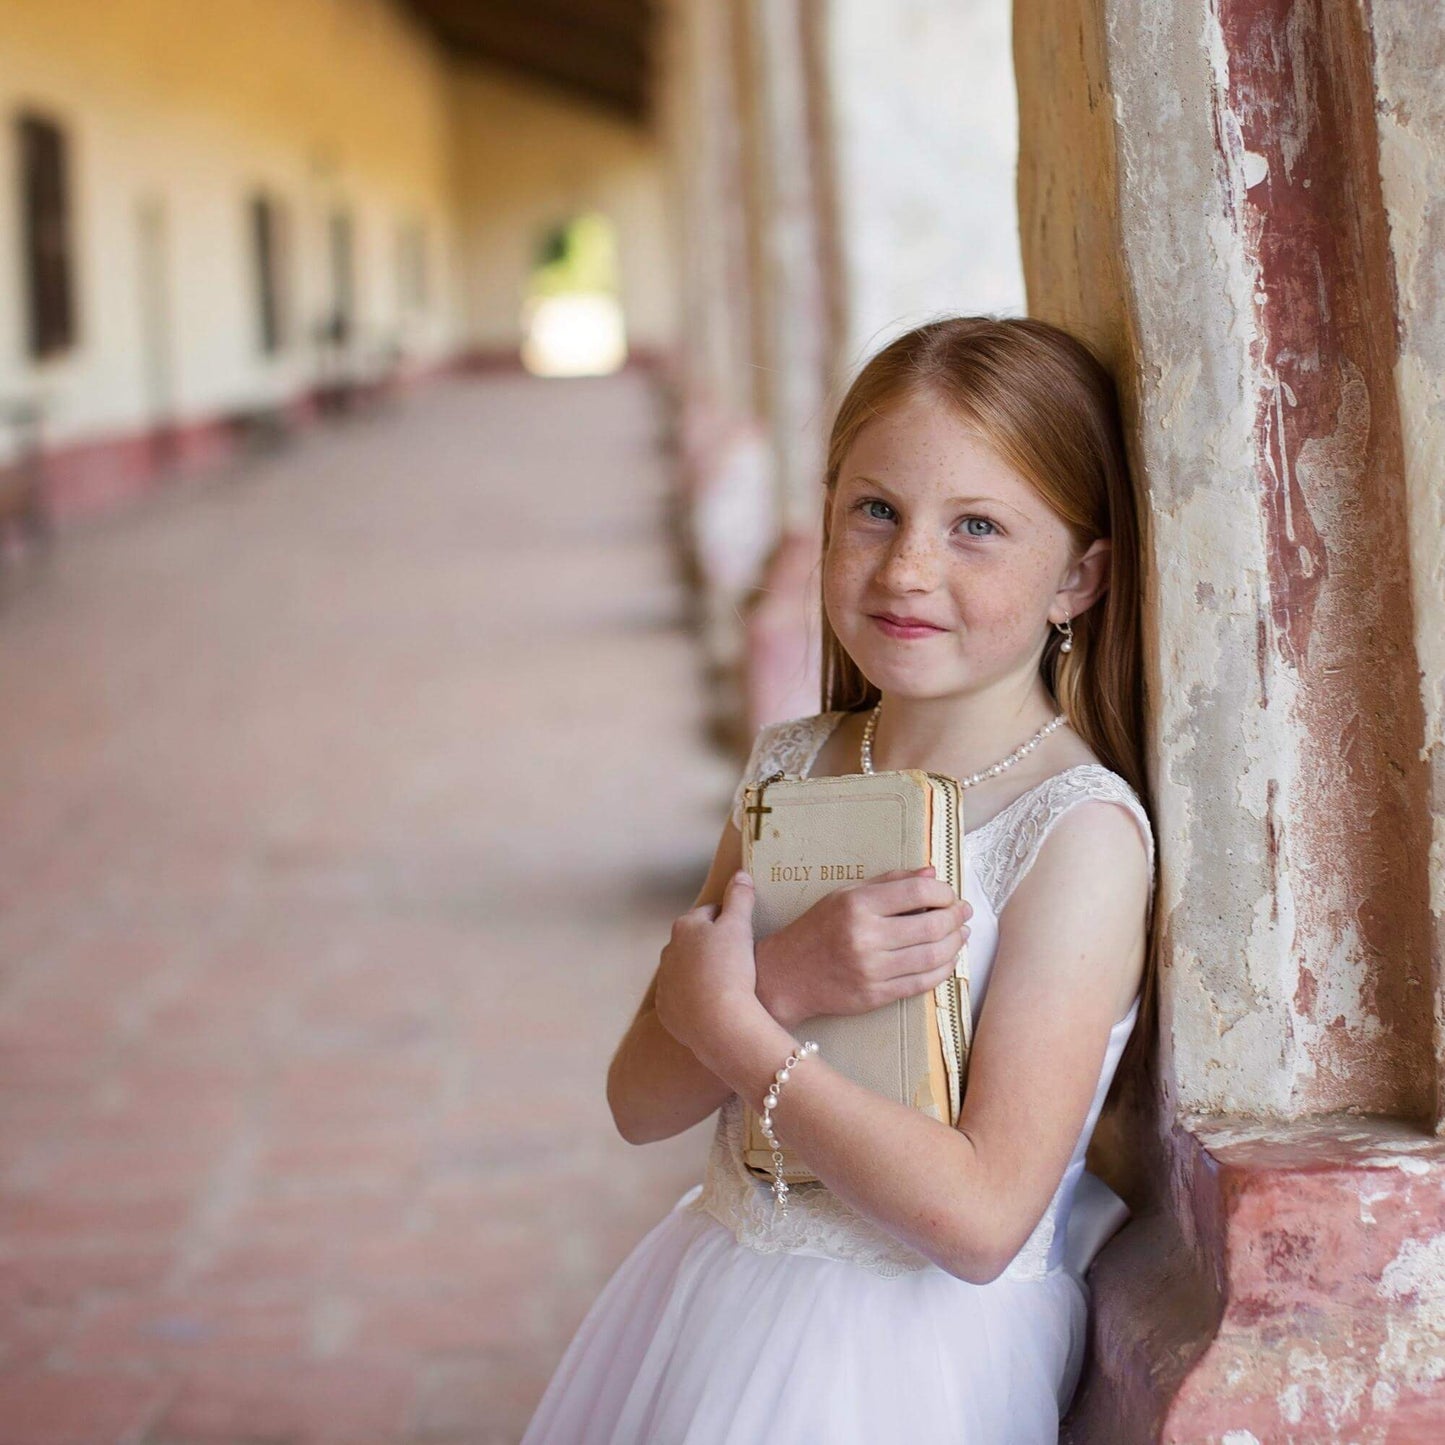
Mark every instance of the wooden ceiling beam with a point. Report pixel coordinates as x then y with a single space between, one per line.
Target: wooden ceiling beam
618 31
629 100
597 49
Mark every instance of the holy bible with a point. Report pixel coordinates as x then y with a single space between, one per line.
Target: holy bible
804 837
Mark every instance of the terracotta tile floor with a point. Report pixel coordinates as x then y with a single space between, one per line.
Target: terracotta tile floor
346 799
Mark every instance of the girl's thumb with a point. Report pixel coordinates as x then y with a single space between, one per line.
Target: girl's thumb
741 881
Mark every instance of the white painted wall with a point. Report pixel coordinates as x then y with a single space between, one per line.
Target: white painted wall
925 120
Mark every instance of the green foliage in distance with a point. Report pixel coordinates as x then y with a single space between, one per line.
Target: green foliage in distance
579 255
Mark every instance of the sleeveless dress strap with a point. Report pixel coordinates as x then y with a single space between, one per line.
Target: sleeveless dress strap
788 746
1012 838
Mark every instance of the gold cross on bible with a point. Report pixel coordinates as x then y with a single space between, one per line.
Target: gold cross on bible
757 810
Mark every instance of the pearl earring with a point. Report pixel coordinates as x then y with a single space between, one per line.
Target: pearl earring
1066 629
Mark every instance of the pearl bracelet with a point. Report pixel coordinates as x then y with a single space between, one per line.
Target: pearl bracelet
770 1099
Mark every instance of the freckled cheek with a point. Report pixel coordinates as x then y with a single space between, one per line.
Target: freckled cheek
840 605
1003 619
843 560
845 574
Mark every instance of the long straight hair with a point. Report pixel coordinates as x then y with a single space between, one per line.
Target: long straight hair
1049 408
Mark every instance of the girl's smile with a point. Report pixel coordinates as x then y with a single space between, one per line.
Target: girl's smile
902 627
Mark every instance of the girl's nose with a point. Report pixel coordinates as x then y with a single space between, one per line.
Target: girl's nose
911 565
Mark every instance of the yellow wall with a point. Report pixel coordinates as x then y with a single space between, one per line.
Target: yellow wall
358 79
526 158
184 111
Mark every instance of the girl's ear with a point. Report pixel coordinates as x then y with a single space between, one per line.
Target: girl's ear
1088 579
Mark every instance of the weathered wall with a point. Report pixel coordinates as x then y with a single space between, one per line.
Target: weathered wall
1409 59
1288 786
1267 175
924 122
525 159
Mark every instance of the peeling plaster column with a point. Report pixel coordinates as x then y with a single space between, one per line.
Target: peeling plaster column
786 159
1409 57
1204 195
789 228
728 477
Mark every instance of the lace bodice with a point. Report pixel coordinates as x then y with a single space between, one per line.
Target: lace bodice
997 855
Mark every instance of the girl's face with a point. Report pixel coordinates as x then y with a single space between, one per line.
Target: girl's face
928 522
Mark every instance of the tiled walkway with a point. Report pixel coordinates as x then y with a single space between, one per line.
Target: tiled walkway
345 802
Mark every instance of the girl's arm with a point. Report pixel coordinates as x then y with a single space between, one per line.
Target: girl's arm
655 1086
854 950
1069 957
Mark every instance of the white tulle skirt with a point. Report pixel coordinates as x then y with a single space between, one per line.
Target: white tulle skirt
698 1340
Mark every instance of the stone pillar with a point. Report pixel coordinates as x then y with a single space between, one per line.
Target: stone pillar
790 228
726 511
786 160
1408 51
1204 194
751 186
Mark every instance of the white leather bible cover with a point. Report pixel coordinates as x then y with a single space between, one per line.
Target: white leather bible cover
804 837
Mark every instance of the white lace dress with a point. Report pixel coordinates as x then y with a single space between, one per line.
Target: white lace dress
724 1328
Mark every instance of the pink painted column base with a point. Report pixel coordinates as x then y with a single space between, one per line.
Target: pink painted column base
1310 1304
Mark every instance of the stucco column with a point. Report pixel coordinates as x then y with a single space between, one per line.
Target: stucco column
783 168
1201 194
785 160
726 506
1409 56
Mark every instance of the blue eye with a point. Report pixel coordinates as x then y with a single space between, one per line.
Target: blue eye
864 503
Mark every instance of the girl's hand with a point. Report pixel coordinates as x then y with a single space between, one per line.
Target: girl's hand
707 979
861 946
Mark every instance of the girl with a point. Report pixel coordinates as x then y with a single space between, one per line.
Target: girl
980 618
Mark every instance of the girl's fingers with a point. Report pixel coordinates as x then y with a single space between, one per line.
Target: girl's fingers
911 895
905 985
921 962
906 930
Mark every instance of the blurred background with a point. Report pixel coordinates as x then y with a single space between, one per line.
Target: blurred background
410 427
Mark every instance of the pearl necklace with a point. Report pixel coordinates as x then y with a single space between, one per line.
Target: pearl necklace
866 749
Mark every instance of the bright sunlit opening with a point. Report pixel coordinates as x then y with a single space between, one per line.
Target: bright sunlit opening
576 335
572 322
